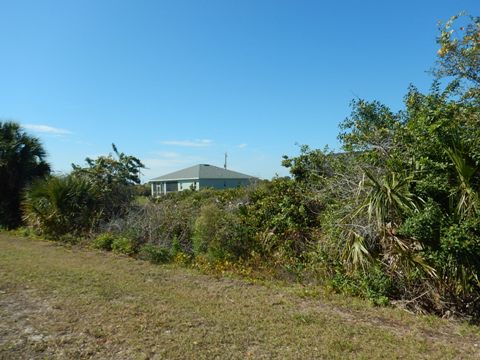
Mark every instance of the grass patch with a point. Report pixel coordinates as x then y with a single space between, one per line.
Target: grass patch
58 302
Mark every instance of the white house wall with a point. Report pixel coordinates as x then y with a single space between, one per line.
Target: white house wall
223 184
159 187
187 185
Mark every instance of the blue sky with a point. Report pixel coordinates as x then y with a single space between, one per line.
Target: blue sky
179 82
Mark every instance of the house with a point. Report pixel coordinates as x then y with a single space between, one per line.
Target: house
199 177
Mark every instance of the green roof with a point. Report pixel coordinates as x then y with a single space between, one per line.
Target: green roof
202 171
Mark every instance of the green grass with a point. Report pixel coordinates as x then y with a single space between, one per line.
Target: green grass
68 303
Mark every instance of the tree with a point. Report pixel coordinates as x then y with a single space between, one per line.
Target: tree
114 178
310 165
369 128
459 54
22 159
79 202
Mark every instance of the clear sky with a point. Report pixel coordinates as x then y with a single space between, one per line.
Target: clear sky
178 82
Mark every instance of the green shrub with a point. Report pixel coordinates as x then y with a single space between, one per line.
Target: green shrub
341 283
176 247
114 176
60 205
463 241
424 225
169 220
68 238
205 228
123 245
282 215
221 234
376 285
104 241
373 284
459 256
155 254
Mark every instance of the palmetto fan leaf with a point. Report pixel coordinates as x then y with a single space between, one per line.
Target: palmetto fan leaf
467 202
356 252
383 202
388 197
61 204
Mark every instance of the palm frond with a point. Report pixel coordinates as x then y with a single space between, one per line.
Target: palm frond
467 200
355 252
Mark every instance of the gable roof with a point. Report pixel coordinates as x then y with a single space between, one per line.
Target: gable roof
203 171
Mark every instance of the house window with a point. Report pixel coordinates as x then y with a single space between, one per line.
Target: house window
171 186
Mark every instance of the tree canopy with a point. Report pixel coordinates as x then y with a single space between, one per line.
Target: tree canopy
22 159
459 54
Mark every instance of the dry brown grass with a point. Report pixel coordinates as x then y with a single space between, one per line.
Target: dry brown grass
69 303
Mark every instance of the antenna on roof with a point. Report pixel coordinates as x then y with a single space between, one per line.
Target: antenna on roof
225 165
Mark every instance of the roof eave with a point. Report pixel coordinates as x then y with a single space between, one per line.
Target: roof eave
172 179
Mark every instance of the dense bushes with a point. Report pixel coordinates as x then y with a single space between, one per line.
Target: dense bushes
282 214
274 220
407 202
60 205
222 234
395 216
403 198
118 243
77 203
155 254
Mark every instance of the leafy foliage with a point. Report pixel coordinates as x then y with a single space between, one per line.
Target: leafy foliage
414 211
394 216
155 254
79 202
465 193
22 160
221 234
60 205
311 165
104 241
459 53
282 215
123 245
114 178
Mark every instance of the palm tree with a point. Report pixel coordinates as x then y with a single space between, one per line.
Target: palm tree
22 159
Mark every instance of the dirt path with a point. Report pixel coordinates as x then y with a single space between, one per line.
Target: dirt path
61 303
